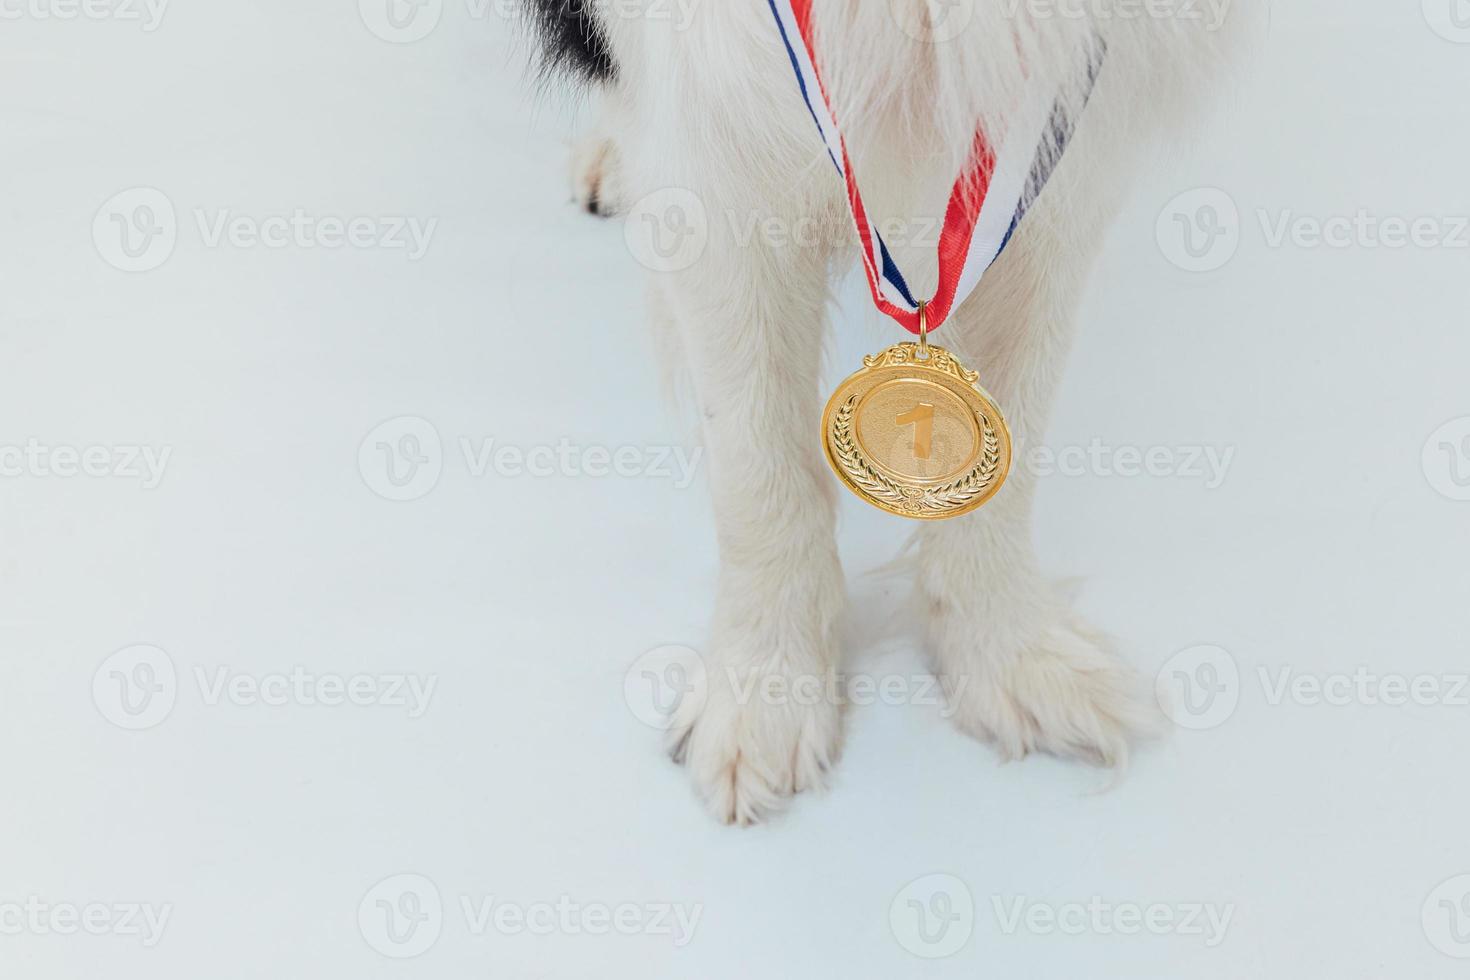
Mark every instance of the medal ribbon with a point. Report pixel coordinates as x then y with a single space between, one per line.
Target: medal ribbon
988 202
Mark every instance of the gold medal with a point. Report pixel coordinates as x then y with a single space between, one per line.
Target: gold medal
913 433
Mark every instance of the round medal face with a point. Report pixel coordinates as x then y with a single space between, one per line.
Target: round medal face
916 437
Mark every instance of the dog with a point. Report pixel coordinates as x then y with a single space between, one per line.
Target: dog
700 96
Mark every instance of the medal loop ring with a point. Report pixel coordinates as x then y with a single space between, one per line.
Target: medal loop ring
923 330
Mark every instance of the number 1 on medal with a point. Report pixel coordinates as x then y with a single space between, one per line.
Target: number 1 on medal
922 419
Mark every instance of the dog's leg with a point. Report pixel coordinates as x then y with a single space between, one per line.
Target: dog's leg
597 158
1021 669
750 319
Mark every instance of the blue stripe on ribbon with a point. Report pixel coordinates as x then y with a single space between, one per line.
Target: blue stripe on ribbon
1061 128
892 273
801 80
889 270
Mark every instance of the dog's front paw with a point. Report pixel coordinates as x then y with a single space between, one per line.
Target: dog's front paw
597 176
1063 692
754 741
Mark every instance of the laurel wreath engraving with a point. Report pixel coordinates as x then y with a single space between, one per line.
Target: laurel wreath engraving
915 501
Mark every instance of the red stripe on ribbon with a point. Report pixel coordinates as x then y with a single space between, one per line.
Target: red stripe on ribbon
961 214
959 227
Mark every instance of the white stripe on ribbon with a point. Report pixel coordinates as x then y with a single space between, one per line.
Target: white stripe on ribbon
1019 169
1013 171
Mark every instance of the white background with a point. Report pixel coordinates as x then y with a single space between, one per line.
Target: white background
1330 545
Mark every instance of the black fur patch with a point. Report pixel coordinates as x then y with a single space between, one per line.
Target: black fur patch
571 39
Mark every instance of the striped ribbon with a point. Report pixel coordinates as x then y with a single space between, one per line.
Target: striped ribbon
988 201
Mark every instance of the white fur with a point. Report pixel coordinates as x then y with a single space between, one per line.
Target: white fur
713 109
597 165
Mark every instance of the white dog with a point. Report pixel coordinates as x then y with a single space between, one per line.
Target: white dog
701 96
